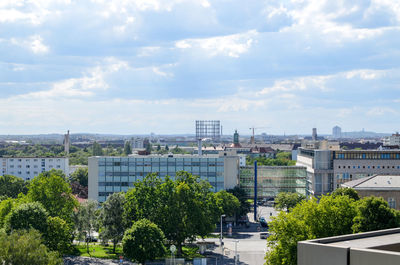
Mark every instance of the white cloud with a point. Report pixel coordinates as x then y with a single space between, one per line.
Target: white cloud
365 74
230 45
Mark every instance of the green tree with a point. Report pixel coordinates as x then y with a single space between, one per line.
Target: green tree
25 247
58 236
11 186
166 147
375 214
227 203
352 193
97 150
158 147
143 241
288 200
331 216
81 176
86 220
127 148
27 216
241 194
6 207
183 208
54 193
111 218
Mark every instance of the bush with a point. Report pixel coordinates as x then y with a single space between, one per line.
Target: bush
25 247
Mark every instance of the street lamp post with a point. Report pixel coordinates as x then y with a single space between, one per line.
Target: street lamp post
236 256
220 241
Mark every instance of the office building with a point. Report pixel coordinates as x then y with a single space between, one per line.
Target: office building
371 248
327 169
114 174
272 180
385 186
29 167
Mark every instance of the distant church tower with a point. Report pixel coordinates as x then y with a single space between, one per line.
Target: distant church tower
66 143
236 140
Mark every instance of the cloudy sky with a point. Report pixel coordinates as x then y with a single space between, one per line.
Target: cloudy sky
141 66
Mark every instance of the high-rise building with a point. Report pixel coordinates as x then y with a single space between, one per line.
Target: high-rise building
314 134
67 143
337 132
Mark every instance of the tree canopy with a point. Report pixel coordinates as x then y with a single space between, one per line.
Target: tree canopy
182 208
288 200
54 193
26 247
143 241
11 186
111 218
332 215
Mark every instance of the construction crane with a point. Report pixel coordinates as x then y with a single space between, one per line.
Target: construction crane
252 140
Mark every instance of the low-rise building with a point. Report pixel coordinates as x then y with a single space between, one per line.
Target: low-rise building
29 167
385 186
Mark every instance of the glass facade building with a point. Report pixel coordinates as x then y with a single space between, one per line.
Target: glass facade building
115 174
272 180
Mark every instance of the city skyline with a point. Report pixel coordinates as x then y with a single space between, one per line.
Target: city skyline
126 67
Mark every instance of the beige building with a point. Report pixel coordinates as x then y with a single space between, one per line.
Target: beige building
372 248
385 186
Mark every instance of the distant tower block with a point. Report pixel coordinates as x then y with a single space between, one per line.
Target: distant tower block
314 134
66 143
337 132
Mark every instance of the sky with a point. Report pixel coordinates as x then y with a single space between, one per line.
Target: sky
141 66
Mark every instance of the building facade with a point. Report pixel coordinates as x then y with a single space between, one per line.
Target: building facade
337 132
114 174
328 169
385 186
273 180
29 167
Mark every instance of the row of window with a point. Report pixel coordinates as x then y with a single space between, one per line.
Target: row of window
374 155
35 166
35 160
383 167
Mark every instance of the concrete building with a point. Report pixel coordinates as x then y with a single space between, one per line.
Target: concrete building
114 174
336 132
371 248
29 167
272 180
394 139
385 186
327 169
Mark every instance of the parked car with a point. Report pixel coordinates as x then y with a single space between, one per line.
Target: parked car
264 235
263 222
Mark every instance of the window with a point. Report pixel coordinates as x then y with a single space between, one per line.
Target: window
28 166
392 203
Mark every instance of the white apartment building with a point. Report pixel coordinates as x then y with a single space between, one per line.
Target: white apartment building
29 167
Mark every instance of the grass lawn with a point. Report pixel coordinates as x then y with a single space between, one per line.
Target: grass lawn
99 251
